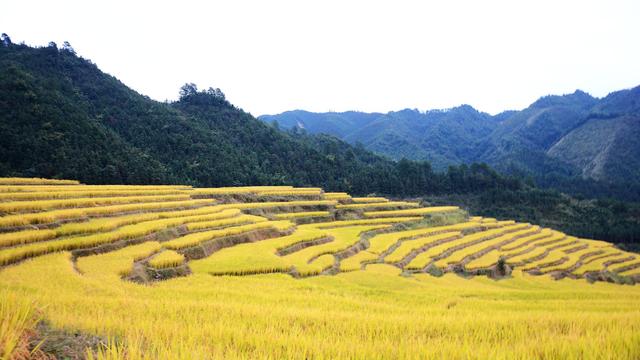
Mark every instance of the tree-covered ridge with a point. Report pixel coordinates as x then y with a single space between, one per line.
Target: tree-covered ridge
61 117
400 134
574 143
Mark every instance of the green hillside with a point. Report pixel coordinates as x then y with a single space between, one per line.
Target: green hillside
574 143
605 145
61 117
441 137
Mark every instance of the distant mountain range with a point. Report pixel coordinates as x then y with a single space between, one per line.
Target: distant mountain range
572 138
60 116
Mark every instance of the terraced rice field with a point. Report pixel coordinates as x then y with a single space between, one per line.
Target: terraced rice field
173 272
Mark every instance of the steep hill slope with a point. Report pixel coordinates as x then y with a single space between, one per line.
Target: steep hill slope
574 143
605 146
521 140
47 129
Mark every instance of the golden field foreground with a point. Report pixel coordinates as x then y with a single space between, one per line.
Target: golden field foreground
174 272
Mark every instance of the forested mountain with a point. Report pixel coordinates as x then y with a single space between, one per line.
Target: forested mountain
61 117
605 145
451 136
573 142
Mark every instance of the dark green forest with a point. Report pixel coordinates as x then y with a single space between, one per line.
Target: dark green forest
61 117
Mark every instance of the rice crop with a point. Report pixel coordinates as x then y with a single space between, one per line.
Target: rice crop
368 205
36 181
166 259
411 212
369 199
336 196
302 214
356 288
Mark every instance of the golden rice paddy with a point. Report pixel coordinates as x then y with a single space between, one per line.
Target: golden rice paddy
352 281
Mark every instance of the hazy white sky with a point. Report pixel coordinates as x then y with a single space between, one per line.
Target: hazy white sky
272 56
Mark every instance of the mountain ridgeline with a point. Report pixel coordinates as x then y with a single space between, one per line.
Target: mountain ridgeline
574 143
61 117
